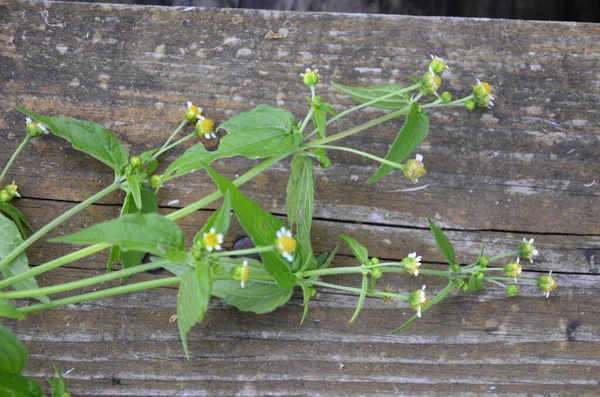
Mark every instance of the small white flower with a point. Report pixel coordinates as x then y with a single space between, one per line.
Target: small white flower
308 70
285 243
419 158
213 240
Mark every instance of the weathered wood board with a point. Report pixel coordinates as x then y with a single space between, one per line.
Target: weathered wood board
524 169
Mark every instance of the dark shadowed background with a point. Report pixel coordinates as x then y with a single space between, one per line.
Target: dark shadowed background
551 10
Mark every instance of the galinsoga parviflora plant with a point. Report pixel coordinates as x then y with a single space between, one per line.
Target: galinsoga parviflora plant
287 260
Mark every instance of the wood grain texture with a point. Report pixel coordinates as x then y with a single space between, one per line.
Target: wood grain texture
521 170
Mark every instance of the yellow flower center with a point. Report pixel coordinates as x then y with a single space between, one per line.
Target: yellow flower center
211 240
206 126
486 87
244 271
286 244
195 110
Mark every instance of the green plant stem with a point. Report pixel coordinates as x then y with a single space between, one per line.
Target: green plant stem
504 255
55 289
306 120
512 279
361 153
359 128
492 281
102 294
14 156
255 250
377 294
458 102
253 275
177 130
40 233
82 253
171 146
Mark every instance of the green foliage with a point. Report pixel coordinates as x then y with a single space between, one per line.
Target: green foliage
13 355
367 94
10 238
134 181
218 220
17 217
193 299
135 232
9 311
361 299
262 132
59 385
442 242
262 228
414 131
360 251
15 385
88 137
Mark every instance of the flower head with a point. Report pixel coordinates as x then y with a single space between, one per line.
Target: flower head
205 127
192 113
12 189
34 128
310 77
430 83
418 300
286 244
155 181
547 283
212 240
527 250
483 95
414 168
438 65
513 269
412 263
240 273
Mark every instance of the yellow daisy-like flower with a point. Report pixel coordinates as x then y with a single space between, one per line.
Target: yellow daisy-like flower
240 273
286 244
483 95
412 263
418 300
212 240
205 127
192 113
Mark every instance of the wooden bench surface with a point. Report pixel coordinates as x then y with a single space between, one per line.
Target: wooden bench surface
524 169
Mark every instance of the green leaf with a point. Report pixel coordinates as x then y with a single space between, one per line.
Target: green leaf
257 296
15 385
9 311
262 132
13 355
300 204
360 251
17 217
306 301
442 242
262 228
135 232
443 293
320 122
193 299
133 186
321 155
10 238
361 298
475 284
326 264
218 220
366 94
88 137
59 385
414 131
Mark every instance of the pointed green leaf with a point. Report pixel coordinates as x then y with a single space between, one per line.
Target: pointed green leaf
320 122
133 186
13 355
193 299
59 385
306 301
321 155
88 137
262 132
17 217
10 238
414 131
361 298
135 232
9 311
360 251
219 220
366 94
442 242
443 293
475 284
15 385
256 296
262 228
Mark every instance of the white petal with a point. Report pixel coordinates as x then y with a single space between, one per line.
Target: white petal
204 236
207 136
245 263
419 312
189 104
278 234
531 241
220 238
412 255
213 230
43 128
536 252
28 119
242 284
418 259
218 247
209 248
419 157
518 259
288 233
416 273
213 135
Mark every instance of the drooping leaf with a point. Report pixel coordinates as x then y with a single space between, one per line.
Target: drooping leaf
15 385
135 232
17 217
360 251
305 300
9 311
414 131
475 284
262 132
321 155
361 298
256 296
262 228
300 203
88 137
193 299
59 385
367 94
134 182
10 238
13 355
326 264
443 293
442 242
218 220
320 122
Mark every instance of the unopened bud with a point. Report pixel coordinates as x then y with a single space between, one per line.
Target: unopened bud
446 96
135 162
512 290
376 273
155 181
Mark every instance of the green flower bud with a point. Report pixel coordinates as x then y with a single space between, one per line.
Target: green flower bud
547 283
483 95
484 261
455 267
414 168
512 290
446 96
412 263
480 275
464 287
155 181
12 190
135 162
430 83
197 252
193 113
475 284
34 129
310 77
5 196
418 300
376 273
375 261
313 291
218 269
513 269
527 250
470 105
438 65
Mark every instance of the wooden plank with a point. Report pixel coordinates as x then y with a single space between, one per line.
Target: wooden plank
494 177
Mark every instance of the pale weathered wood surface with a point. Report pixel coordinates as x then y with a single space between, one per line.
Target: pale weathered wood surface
497 176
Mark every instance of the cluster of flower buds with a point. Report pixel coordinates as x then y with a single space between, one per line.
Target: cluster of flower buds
9 192
432 79
482 96
34 129
204 127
